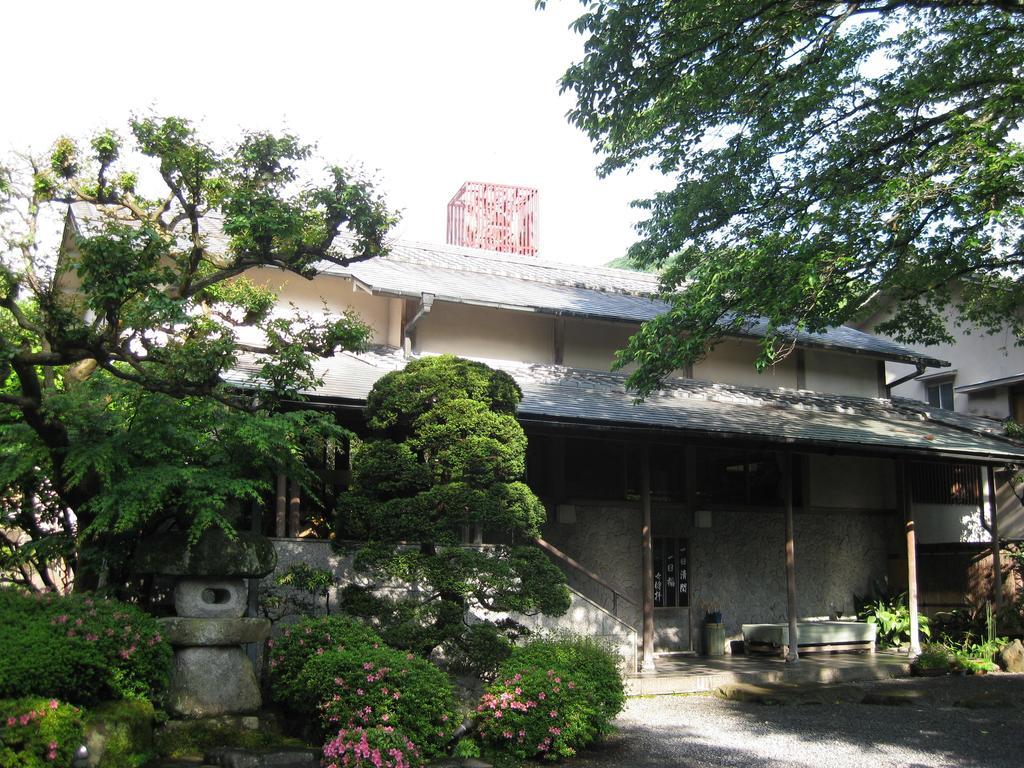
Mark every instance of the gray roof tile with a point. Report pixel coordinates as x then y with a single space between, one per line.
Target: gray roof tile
802 419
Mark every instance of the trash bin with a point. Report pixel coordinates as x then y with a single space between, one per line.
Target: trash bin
714 639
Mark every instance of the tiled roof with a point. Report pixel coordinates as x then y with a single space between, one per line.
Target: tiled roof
475 276
801 419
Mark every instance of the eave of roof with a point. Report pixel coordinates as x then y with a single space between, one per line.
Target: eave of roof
686 408
981 386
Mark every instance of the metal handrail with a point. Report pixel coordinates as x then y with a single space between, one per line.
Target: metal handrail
576 565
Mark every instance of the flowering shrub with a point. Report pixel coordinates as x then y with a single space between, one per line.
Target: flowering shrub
551 698
39 732
367 687
79 648
288 654
380 747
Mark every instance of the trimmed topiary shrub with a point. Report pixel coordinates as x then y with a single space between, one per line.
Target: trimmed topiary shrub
445 452
552 697
288 654
382 687
79 648
377 747
38 732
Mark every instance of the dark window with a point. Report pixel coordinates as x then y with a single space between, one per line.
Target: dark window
751 478
941 395
945 483
595 469
671 573
668 472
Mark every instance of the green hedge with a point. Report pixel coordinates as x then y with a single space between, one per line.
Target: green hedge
551 697
288 653
340 671
37 732
79 649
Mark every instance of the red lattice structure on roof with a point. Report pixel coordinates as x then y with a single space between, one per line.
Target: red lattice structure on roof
498 217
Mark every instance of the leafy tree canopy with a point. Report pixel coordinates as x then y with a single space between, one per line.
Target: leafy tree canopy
114 409
823 153
446 455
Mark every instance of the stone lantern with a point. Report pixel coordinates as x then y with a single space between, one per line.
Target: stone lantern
211 675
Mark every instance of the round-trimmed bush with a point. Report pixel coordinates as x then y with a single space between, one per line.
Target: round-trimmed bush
288 653
383 687
37 732
551 697
79 648
377 747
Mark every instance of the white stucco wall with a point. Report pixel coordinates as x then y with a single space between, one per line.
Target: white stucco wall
592 344
732 362
338 292
500 334
841 374
975 357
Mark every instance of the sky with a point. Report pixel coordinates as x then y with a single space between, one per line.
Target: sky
425 94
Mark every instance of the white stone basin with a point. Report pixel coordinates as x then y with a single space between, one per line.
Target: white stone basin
812 635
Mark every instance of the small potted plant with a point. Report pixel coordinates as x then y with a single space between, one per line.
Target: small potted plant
712 613
934 661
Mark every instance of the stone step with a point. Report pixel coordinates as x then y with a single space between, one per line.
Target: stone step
287 757
707 680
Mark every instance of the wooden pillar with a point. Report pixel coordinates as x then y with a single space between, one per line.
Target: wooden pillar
997 566
647 546
281 507
294 502
792 655
906 504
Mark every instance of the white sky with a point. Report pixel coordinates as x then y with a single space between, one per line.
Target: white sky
426 93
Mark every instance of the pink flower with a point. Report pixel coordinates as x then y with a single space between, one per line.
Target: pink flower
54 703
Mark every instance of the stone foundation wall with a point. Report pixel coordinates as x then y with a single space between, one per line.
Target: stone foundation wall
585 616
738 563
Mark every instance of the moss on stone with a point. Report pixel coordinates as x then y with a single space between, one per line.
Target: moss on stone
119 734
193 738
248 555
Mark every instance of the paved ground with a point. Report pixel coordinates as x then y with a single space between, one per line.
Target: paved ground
933 729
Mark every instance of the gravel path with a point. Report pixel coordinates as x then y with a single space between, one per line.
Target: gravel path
706 731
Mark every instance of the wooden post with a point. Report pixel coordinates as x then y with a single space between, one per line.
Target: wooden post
997 566
792 655
281 507
906 502
294 502
647 546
